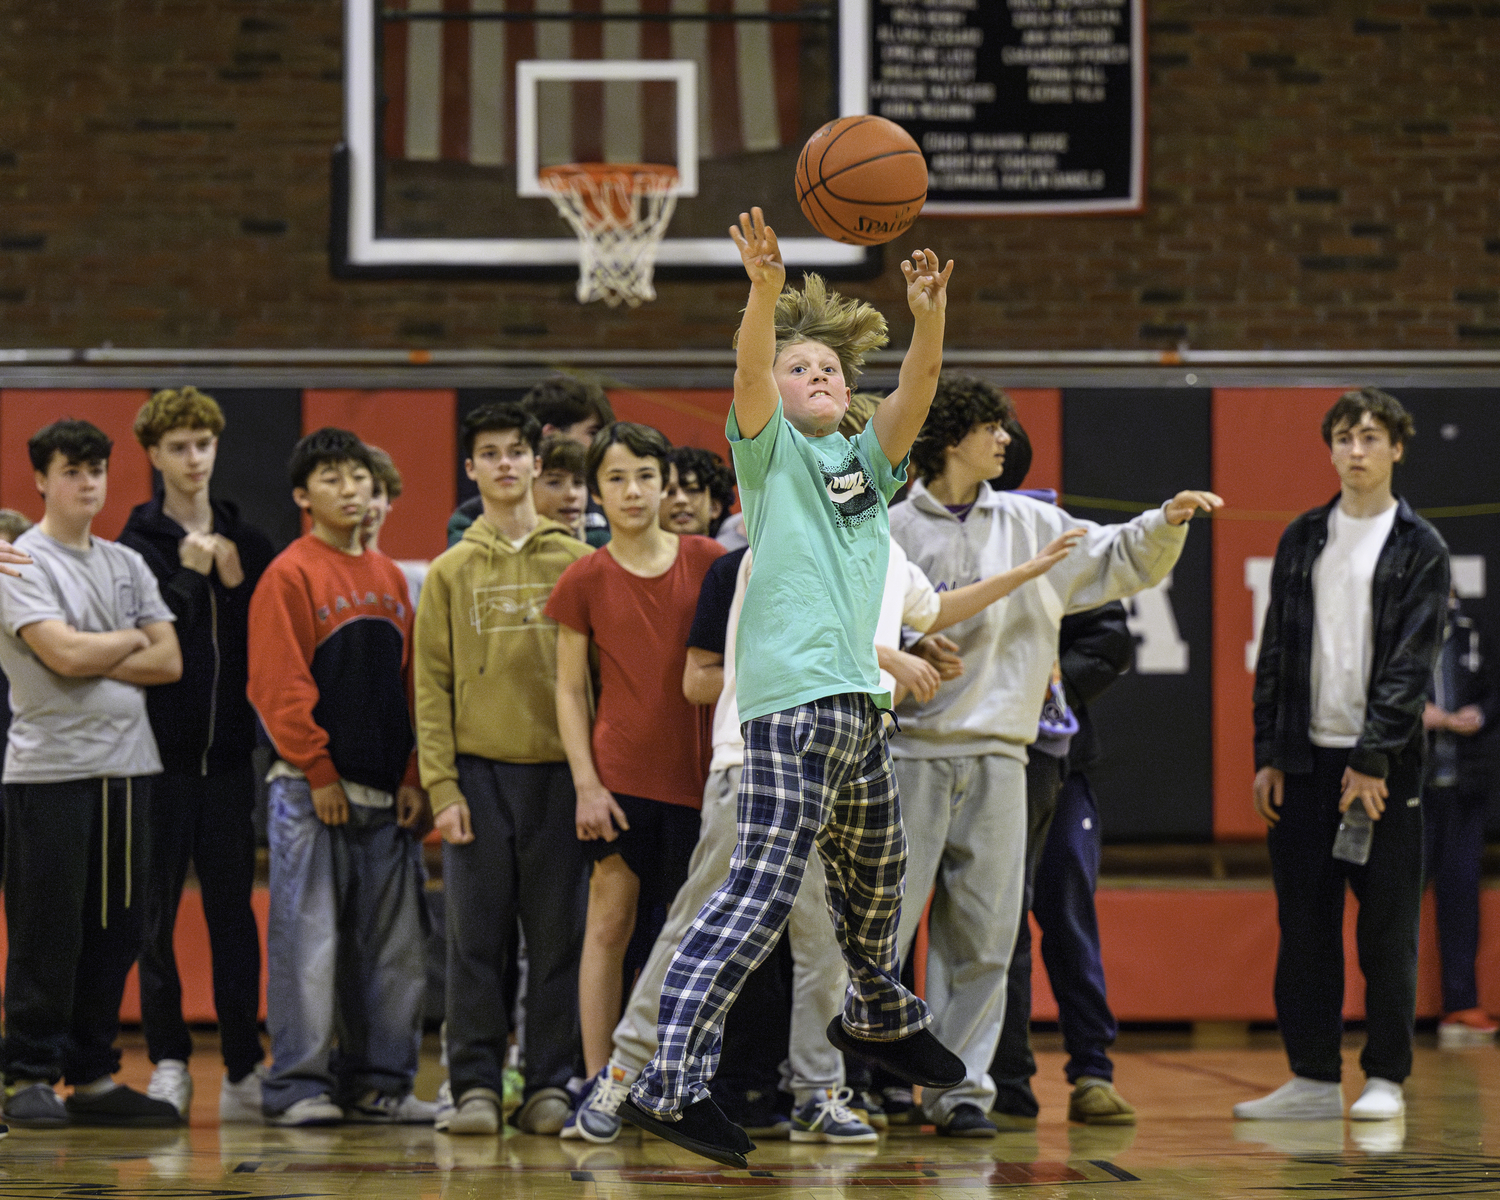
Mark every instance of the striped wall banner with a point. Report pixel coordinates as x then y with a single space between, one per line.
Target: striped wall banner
449 86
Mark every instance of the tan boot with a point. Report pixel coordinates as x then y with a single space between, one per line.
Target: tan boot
1095 1102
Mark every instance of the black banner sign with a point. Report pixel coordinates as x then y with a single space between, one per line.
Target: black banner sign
1019 105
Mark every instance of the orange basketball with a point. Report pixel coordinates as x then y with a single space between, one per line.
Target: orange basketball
861 180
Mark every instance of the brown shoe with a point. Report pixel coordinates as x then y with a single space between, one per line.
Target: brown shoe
1095 1102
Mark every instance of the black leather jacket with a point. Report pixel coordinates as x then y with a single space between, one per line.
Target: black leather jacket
1410 600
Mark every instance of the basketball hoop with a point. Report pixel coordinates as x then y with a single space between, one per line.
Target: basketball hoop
619 212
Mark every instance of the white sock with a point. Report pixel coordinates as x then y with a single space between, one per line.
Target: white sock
98 1088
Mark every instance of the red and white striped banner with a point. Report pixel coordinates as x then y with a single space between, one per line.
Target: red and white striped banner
450 84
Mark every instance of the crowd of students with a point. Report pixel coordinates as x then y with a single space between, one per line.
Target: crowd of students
577 704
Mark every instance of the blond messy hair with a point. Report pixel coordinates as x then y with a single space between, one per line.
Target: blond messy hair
177 408
850 328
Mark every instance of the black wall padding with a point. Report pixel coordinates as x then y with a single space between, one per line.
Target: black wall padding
1451 463
261 425
1155 780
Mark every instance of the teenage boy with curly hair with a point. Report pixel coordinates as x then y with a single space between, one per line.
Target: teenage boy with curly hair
207 561
699 492
961 758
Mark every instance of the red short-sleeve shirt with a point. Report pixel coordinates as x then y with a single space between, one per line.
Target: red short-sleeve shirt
648 739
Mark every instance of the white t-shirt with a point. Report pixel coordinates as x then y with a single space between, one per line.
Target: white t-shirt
908 599
1344 625
66 728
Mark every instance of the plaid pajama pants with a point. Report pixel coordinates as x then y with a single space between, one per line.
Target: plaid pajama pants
815 775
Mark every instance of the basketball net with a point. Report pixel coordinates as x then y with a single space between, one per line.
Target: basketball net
619 212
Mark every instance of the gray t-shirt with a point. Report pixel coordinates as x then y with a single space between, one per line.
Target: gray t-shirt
65 729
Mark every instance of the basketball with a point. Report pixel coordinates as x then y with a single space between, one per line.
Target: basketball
861 180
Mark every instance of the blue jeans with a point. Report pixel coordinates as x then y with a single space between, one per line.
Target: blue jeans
345 952
1062 857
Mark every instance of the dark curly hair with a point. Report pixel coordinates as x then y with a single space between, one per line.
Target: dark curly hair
961 404
711 472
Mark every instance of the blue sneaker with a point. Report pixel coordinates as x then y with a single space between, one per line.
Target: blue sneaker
826 1118
596 1118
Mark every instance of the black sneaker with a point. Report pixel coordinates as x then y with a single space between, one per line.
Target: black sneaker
967 1121
122 1106
757 1115
702 1128
919 1058
34 1106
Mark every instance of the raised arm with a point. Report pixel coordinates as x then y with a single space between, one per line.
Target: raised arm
73 655
755 396
158 662
899 418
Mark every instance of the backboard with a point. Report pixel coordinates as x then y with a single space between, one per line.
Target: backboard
453 106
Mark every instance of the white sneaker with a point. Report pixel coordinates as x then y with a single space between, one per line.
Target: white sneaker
1380 1101
384 1108
172 1083
314 1110
239 1103
478 1113
1298 1099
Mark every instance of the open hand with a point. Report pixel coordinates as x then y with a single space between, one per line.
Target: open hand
926 286
9 554
1054 552
1182 506
756 242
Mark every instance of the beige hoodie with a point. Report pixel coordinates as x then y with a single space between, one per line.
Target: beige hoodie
486 657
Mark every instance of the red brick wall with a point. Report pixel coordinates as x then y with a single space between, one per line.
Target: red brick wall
1321 175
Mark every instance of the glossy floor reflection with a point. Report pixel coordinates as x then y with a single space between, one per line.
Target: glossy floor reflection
1186 1145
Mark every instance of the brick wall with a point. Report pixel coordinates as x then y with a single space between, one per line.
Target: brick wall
1320 175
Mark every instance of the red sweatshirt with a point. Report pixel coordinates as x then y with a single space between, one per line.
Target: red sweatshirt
330 665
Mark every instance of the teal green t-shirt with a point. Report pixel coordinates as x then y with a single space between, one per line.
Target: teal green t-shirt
819 527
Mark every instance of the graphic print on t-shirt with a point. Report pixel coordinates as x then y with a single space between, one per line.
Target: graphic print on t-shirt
851 492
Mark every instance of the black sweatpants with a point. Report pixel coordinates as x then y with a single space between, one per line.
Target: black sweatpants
525 862
75 887
205 819
1310 908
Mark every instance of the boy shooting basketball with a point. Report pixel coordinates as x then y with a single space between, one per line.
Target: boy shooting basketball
816 770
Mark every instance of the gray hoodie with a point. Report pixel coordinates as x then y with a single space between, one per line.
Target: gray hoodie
1008 649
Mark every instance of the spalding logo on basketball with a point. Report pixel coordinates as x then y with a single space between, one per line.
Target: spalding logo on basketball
861 180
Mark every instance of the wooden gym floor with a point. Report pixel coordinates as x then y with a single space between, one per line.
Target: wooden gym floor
1185 1146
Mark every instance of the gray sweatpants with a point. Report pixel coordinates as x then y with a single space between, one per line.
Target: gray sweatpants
819 977
965 824
345 944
